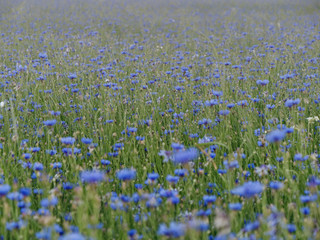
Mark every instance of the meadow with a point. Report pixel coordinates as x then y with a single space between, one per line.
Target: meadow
159 120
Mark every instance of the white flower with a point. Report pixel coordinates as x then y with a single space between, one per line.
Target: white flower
2 104
313 119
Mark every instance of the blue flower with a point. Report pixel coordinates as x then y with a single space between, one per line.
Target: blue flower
198 225
291 102
27 155
276 136
185 156
126 174
93 176
276 185
153 176
37 166
235 206
73 236
224 112
248 189
209 199
4 189
262 82
172 179
291 228
175 230
50 122
251 226
305 210
86 141
68 140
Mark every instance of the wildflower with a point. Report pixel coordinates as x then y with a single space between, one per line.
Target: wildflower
50 122
305 210
68 140
181 172
252 226
175 230
291 228
126 174
73 236
276 185
291 102
248 189
172 179
224 112
313 119
185 156
37 166
153 176
262 82
209 199
27 156
276 136
235 206
4 189
86 141
198 225
93 176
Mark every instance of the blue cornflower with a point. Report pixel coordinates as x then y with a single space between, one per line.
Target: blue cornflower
37 166
224 112
86 141
235 206
185 156
276 136
291 102
291 228
172 179
276 185
153 176
50 122
181 172
175 230
198 225
177 146
72 76
51 152
27 155
262 82
4 189
305 210
248 189
68 140
73 236
126 174
209 199
93 176
252 226
132 232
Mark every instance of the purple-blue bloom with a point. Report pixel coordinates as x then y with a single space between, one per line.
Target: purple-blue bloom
276 136
68 140
4 189
93 176
126 174
248 189
185 156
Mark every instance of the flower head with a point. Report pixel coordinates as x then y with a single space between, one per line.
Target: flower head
248 189
276 136
126 174
68 140
185 156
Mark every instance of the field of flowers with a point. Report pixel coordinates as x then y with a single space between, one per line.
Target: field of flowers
160 120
